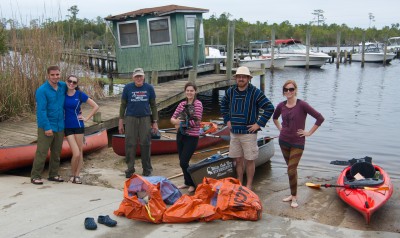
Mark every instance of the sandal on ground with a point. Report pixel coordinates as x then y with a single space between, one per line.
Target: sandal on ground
56 179
183 186
71 179
37 181
288 199
106 220
294 203
191 189
77 180
90 224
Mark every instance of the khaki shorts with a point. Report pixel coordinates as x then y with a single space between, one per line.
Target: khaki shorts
243 145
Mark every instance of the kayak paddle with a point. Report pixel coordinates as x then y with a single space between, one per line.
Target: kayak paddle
313 185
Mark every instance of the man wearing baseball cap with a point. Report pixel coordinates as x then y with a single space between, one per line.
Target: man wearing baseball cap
138 109
245 110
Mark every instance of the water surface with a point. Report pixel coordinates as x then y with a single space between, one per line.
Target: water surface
360 109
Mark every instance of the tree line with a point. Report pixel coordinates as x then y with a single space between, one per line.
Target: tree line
89 34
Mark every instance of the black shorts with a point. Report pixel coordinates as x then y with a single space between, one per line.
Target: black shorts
72 131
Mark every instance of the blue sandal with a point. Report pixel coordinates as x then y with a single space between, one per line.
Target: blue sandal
106 220
90 224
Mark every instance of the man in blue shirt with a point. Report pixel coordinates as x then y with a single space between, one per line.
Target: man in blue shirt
50 98
138 108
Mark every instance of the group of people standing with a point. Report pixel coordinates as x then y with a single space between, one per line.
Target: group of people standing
59 114
245 109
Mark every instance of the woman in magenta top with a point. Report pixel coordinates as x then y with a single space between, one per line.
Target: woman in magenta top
186 119
292 132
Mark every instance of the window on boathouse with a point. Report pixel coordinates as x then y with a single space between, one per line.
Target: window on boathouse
159 31
190 26
128 34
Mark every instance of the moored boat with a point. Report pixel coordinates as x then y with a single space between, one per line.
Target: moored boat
365 201
255 62
297 55
14 157
167 145
220 166
373 53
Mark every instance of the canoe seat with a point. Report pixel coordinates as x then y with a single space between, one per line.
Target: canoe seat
364 168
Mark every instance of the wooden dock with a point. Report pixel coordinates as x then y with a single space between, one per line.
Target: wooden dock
24 131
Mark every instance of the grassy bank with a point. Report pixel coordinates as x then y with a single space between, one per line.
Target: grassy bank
23 68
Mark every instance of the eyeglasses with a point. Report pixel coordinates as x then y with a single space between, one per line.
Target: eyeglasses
73 82
288 89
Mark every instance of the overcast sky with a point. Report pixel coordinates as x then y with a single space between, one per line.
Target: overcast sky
353 13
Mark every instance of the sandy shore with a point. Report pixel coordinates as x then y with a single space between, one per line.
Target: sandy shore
105 168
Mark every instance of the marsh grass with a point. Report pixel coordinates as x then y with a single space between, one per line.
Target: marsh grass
23 68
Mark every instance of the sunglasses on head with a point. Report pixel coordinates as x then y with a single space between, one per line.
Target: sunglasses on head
71 81
288 89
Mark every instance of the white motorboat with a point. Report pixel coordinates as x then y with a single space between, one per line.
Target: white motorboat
261 55
296 53
255 62
213 55
373 53
394 44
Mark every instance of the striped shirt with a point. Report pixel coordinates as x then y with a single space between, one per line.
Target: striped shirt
194 124
244 108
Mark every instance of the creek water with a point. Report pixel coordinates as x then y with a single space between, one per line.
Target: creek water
359 106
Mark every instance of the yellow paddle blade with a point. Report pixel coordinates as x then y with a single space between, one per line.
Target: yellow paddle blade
313 185
377 188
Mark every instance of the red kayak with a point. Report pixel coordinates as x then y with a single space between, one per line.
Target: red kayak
13 157
365 195
167 144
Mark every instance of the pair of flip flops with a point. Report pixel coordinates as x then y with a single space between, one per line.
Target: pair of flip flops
90 224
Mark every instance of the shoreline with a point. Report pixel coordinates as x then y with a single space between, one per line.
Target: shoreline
323 208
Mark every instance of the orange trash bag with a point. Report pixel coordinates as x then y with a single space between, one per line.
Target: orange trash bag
234 201
142 201
208 127
187 209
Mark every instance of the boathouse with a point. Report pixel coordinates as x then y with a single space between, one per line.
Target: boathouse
157 39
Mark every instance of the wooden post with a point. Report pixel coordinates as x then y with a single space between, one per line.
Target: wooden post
154 78
363 50
97 117
229 54
111 84
338 49
196 43
217 68
308 34
385 51
262 78
272 50
192 75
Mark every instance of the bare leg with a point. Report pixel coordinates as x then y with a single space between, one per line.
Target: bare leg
239 168
250 170
79 141
75 154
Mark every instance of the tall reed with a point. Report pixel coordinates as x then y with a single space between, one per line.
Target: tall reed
23 68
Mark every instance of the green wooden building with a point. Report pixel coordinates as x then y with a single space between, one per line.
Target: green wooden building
157 39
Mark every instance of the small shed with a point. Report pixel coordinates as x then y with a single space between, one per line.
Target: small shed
157 39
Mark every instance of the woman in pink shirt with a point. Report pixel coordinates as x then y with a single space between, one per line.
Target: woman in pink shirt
186 119
292 132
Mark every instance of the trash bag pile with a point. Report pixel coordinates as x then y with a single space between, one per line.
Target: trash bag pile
145 199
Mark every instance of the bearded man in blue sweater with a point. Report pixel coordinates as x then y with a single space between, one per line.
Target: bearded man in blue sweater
245 110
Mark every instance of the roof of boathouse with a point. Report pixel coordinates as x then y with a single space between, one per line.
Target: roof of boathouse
156 11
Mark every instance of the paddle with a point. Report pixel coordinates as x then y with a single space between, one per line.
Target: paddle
204 151
312 185
226 138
